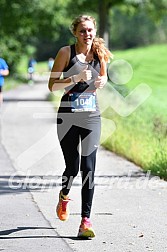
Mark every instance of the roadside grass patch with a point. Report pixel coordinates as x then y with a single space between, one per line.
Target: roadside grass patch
141 136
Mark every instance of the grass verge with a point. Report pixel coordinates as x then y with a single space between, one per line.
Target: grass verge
140 136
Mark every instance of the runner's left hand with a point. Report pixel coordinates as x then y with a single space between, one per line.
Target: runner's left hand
100 81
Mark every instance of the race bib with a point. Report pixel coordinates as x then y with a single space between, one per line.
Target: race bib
83 102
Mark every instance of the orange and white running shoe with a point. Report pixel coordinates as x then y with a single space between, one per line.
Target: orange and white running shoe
62 207
85 229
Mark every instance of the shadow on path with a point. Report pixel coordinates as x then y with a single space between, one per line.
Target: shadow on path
4 234
10 231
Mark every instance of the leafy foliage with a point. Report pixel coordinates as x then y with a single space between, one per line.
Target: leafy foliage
44 24
25 22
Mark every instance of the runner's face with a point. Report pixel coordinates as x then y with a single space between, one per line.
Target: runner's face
85 32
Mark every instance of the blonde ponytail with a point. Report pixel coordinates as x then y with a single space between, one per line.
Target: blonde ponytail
98 48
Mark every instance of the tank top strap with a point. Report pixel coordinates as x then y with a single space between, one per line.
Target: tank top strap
73 59
73 52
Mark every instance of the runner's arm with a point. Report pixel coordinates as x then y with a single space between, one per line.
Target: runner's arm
61 61
4 72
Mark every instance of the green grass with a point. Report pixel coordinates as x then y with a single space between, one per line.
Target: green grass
142 136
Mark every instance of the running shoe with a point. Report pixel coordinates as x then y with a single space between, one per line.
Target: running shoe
85 229
62 207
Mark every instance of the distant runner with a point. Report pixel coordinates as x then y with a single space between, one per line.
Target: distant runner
4 71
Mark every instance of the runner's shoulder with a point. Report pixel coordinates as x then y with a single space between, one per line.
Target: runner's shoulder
64 55
65 50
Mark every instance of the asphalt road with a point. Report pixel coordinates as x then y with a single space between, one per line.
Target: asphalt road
129 211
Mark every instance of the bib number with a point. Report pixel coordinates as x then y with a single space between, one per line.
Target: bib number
83 102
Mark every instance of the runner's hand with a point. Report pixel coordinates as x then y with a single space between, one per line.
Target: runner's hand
84 75
100 81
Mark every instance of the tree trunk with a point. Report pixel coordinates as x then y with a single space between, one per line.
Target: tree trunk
103 21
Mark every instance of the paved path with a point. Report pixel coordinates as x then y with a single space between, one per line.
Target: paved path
129 209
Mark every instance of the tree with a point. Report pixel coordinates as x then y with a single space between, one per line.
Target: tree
134 29
16 27
104 8
44 24
155 9
25 23
101 7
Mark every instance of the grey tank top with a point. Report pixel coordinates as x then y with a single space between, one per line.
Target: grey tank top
74 67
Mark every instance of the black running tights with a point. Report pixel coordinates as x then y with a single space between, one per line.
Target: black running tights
88 134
